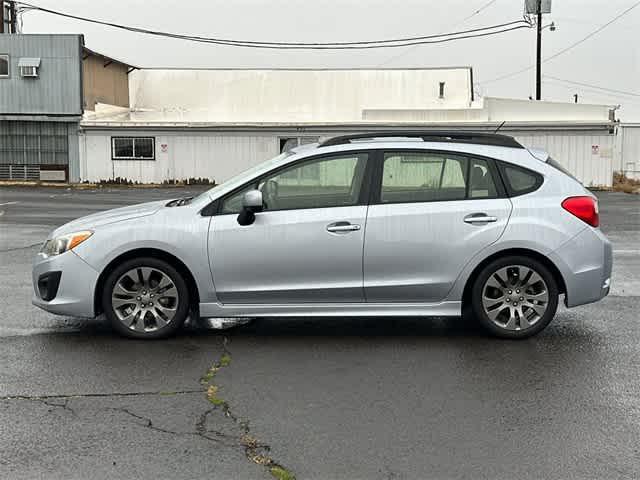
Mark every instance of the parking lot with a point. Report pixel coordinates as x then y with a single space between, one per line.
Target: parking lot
322 398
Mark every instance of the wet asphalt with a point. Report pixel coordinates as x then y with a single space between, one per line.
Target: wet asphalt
326 399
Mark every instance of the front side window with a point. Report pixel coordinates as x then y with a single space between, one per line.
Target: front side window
318 183
4 65
423 177
133 148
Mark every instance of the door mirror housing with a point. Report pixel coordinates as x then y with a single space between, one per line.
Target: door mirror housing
252 200
251 204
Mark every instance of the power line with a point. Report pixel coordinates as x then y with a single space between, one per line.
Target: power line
478 11
565 50
386 43
611 90
461 22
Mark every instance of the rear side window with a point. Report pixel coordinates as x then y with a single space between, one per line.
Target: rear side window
422 177
427 177
520 180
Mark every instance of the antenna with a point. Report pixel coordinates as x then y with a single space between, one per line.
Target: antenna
499 127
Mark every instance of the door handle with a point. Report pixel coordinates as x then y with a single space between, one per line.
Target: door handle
342 227
479 218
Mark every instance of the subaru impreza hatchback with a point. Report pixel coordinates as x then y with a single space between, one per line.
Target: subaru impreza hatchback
398 223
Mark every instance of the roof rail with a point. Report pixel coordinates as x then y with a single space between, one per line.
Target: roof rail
482 138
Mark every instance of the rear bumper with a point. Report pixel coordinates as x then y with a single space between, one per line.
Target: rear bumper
74 281
585 263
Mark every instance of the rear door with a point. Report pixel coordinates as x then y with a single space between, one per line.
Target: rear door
431 212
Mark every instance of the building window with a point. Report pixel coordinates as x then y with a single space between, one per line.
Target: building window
441 94
133 148
4 65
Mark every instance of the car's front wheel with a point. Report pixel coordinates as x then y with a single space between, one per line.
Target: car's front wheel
515 297
145 298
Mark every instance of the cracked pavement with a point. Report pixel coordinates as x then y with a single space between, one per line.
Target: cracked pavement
328 399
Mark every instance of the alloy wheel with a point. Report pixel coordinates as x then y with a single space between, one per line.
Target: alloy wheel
145 299
515 297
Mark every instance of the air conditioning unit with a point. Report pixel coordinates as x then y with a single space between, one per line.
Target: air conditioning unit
28 71
29 67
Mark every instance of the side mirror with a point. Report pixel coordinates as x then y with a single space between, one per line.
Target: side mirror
251 204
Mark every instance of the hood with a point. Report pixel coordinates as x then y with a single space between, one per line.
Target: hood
110 216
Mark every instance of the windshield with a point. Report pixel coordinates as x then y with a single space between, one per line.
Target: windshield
244 174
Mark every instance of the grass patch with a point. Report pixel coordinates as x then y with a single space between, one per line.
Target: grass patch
281 473
622 183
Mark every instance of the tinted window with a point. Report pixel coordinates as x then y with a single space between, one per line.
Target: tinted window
481 184
521 181
4 65
319 183
133 148
422 177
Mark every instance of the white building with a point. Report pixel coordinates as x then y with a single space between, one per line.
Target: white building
185 124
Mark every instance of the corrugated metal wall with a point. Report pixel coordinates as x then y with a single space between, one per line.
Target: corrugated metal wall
217 156
57 89
178 156
630 164
588 155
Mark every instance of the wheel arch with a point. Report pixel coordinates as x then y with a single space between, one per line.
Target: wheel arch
525 252
194 298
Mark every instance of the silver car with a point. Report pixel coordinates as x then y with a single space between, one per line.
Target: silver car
399 223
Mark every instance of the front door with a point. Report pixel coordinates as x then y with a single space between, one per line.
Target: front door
433 212
305 246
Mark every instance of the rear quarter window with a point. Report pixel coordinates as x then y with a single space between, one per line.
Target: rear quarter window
518 180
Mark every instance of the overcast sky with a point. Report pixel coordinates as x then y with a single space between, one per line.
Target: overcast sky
610 59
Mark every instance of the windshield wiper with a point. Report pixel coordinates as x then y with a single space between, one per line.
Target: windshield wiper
179 202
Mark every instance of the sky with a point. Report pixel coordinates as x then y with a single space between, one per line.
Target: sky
610 59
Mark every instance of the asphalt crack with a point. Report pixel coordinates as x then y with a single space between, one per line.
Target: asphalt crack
255 451
99 395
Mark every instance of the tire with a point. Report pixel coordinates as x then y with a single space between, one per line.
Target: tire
510 302
148 307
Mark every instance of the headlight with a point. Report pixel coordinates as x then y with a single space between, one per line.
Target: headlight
58 245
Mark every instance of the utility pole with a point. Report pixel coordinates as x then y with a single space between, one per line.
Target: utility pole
539 53
13 21
1 16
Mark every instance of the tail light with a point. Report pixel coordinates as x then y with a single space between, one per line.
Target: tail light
585 208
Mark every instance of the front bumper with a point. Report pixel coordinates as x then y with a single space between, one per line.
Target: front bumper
585 262
76 284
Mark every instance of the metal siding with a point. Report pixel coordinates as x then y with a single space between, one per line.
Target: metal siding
213 156
573 150
630 158
219 156
57 90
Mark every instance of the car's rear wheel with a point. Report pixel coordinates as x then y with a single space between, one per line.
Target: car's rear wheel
145 298
515 297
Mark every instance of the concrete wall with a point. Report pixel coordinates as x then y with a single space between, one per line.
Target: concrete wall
57 90
104 82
